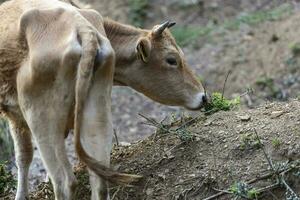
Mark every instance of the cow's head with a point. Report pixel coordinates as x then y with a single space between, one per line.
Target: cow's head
160 71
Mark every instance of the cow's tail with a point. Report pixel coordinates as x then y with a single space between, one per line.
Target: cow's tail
89 43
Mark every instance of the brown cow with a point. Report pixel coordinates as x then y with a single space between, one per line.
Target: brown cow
54 56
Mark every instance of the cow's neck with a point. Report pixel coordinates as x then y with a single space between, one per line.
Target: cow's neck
123 39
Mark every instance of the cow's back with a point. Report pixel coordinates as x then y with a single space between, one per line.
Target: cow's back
13 50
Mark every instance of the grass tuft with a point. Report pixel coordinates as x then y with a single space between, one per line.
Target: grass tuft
7 181
243 190
6 142
276 142
186 35
138 12
295 48
218 103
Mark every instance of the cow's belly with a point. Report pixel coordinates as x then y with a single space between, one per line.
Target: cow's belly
11 58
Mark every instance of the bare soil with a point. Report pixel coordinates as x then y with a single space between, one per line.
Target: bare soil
223 150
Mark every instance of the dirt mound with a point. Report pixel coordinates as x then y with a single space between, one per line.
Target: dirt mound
195 157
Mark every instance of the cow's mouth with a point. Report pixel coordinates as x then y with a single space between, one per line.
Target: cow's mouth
198 102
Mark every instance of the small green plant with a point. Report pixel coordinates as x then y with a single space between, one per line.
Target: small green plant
187 34
259 17
243 190
249 141
138 12
7 181
276 142
6 142
295 48
265 81
252 194
185 135
269 84
292 63
218 103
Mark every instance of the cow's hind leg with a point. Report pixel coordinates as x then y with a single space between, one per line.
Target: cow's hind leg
46 110
23 149
47 125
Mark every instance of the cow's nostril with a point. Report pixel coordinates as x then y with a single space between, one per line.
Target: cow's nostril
204 99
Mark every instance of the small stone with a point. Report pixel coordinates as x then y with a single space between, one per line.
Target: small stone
192 175
124 144
276 114
149 191
245 118
161 176
208 123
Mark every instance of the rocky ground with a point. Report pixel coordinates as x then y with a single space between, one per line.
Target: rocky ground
196 158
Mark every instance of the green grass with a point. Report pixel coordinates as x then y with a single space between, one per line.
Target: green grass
243 190
295 48
7 181
276 142
249 141
6 143
138 12
259 17
185 35
269 83
218 103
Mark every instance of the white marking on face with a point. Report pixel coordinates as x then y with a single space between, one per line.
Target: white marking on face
196 101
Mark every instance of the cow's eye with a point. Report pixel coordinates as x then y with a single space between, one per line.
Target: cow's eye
171 61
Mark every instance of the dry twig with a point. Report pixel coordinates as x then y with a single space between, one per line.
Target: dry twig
116 137
224 86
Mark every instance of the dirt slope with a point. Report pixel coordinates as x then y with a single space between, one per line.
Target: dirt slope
259 57
209 152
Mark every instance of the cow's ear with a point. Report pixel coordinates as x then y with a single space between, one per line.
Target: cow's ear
143 49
